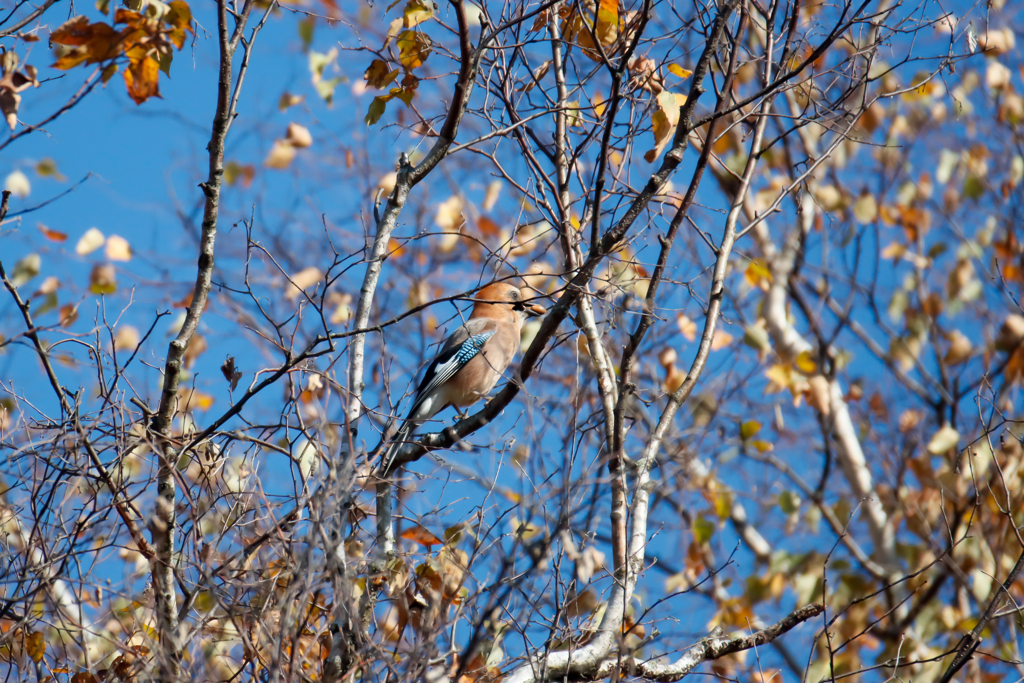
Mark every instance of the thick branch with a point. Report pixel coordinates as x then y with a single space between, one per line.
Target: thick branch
163 521
707 649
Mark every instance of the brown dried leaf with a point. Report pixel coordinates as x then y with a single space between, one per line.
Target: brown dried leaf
103 279
68 314
664 122
298 136
379 75
231 374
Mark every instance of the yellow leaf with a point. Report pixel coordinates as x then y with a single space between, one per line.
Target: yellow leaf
664 122
416 12
103 279
449 214
865 209
35 646
303 280
376 110
92 240
234 171
47 168
959 348
607 28
108 72
805 364
895 251
126 338
118 249
194 400
679 71
779 377
280 156
946 438
758 275
723 504
703 530
179 15
413 49
749 429
572 114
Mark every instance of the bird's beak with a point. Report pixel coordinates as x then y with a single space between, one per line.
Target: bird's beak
535 310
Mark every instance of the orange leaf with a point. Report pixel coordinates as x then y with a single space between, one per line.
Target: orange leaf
52 235
395 248
76 31
487 226
141 78
93 42
420 535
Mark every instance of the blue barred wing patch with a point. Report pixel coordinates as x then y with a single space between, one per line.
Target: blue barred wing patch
469 348
448 363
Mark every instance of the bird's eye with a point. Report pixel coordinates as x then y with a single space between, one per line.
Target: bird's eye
514 295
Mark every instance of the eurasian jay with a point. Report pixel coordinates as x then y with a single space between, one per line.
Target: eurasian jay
471 361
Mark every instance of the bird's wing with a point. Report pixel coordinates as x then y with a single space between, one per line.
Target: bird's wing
464 344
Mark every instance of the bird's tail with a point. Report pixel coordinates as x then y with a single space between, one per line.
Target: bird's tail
397 441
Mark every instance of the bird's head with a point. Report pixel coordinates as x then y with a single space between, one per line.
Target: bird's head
501 298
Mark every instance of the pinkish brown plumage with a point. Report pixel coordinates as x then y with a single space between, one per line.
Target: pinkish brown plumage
472 359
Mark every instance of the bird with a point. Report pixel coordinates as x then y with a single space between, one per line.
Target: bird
471 361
